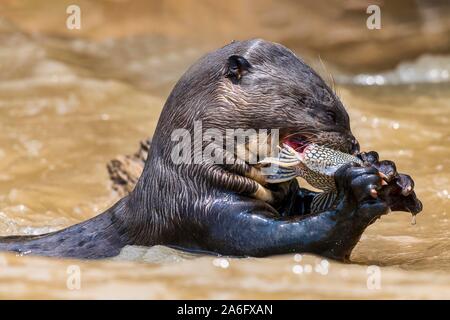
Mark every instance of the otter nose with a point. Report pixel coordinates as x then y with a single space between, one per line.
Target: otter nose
354 149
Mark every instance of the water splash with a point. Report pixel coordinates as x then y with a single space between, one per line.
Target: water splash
426 69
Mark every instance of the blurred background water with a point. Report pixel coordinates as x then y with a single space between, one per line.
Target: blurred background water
71 100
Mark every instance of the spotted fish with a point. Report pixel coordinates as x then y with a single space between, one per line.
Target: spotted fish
316 164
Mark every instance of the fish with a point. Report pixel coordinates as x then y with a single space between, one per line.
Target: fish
316 164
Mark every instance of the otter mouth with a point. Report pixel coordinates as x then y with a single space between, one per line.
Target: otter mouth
299 141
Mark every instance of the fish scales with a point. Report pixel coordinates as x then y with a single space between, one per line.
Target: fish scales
316 164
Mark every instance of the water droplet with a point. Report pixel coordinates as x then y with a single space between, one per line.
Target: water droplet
379 80
370 80
221 263
297 257
298 269
443 194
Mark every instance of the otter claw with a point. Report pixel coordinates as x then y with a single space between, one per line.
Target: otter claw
407 191
384 178
382 175
374 193
406 184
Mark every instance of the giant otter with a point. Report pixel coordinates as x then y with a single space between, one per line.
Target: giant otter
227 208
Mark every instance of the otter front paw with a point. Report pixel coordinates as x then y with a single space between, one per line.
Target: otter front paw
358 189
398 190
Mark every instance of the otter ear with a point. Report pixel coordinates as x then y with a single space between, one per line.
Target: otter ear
237 67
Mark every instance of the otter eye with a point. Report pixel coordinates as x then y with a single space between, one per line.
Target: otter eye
331 115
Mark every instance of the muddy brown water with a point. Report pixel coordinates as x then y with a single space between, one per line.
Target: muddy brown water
68 106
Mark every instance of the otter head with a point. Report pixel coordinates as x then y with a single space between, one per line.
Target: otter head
268 86
258 84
